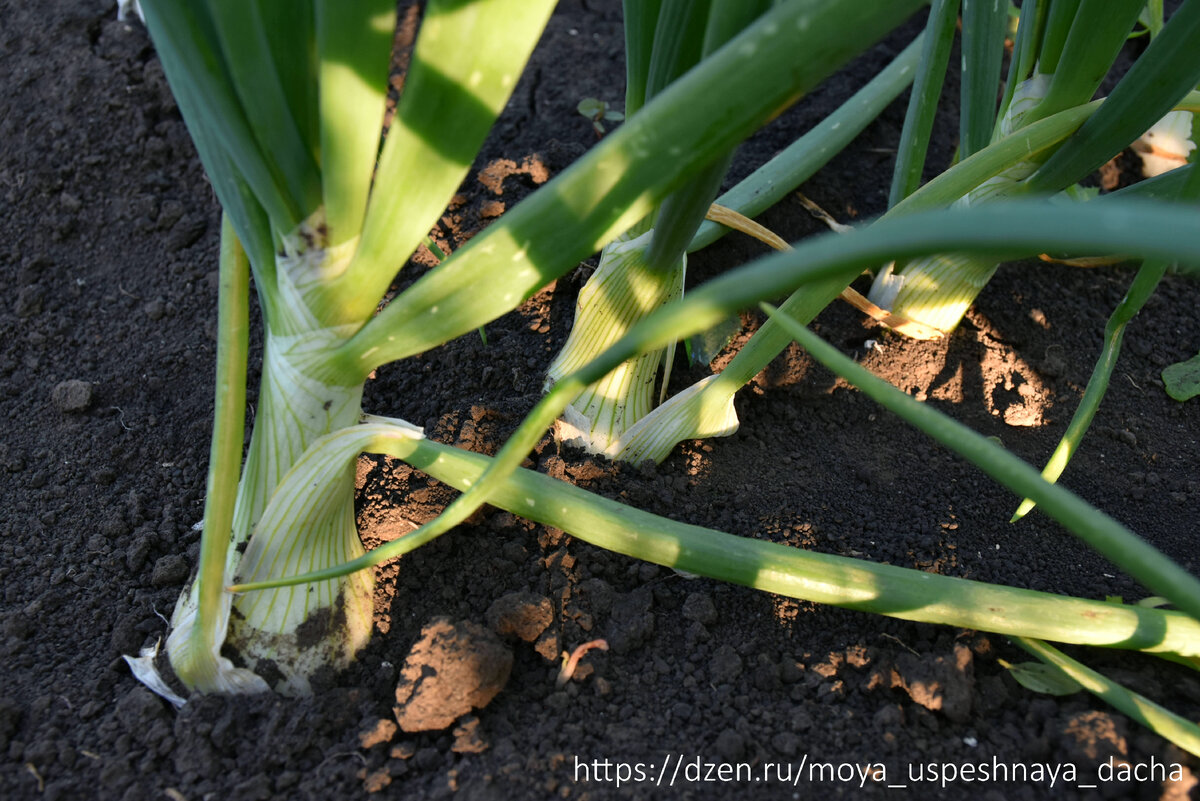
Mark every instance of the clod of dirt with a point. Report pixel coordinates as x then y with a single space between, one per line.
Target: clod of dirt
597 594
376 780
169 570
520 614
943 684
467 737
29 301
549 646
185 233
730 745
72 396
452 669
726 665
139 708
1094 737
382 731
699 607
155 309
10 717
632 621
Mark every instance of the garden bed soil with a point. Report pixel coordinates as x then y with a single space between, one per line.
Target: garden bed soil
107 269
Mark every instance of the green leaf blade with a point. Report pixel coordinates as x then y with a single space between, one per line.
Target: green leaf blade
985 23
617 183
1163 722
354 46
1042 678
247 52
1164 74
922 103
187 42
1182 379
466 63
641 19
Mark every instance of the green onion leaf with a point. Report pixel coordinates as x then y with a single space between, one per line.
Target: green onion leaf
464 67
822 578
1166 72
985 23
354 48
922 104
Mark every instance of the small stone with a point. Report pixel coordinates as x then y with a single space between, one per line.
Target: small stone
72 396
520 614
169 570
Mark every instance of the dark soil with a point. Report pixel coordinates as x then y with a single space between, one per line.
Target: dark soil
108 243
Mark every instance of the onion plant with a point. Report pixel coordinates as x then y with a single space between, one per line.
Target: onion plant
286 104
1008 229
1067 145
1169 142
1063 50
619 416
645 267
1013 152
287 111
